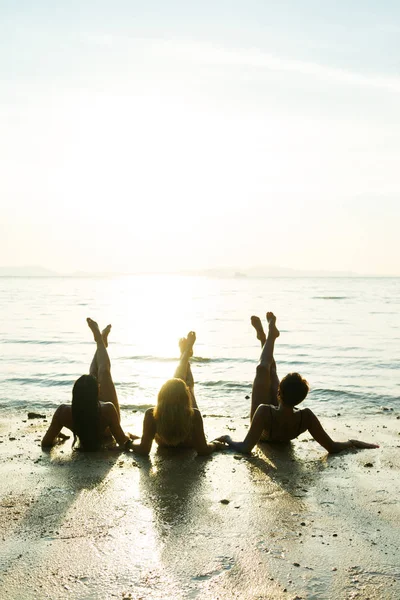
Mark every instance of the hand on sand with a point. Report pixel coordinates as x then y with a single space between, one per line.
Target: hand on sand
362 445
224 439
218 445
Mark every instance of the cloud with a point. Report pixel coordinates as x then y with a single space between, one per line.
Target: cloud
205 53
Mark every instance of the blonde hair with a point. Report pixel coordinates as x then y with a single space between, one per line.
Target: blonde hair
174 412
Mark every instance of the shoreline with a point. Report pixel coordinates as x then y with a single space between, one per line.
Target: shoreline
285 522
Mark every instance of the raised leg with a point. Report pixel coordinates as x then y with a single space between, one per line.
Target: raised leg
183 370
256 322
262 392
93 370
274 384
106 384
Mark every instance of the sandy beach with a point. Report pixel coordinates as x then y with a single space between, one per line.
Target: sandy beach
287 522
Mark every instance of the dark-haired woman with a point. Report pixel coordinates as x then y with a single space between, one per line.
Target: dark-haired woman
94 413
273 418
176 421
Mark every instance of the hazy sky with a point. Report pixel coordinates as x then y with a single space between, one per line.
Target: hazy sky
167 135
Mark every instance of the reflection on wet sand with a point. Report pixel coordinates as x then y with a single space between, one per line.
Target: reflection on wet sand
51 515
282 464
174 487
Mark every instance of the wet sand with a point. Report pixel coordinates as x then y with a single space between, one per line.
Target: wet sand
287 522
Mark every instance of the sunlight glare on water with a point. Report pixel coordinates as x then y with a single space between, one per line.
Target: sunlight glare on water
341 334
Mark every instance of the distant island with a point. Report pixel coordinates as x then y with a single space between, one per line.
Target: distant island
272 271
223 272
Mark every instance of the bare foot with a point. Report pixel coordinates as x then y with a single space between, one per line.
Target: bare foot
104 335
183 344
94 329
191 338
256 322
271 318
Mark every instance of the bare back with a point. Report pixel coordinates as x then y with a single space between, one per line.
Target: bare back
108 423
281 427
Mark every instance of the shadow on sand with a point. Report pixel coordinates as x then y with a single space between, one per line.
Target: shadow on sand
280 463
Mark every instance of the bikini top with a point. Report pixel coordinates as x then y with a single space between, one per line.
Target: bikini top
271 428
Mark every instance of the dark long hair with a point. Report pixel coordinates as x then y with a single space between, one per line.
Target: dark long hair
86 412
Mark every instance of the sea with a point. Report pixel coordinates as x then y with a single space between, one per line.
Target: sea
341 334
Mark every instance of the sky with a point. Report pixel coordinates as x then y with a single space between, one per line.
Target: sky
169 136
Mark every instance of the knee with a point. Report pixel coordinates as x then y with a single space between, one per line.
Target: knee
262 370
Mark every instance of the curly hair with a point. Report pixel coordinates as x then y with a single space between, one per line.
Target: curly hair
293 389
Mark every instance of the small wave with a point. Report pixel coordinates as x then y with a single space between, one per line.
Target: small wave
201 359
194 359
293 363
225 384
36 342
150 358
326 392
126 384
388 365
330 297
40 381
222 360
136 407
45 381
367 397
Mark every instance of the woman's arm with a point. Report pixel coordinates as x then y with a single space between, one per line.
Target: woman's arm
53 432
148 435
113 422
260 421
319 434
199 439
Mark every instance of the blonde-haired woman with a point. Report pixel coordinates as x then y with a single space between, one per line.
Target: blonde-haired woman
176 420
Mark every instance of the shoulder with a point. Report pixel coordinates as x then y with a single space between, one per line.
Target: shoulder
149 422
266 409
197 416
149 414
108 413
197 420
63 412
149 419
306 415
306 412
107 408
